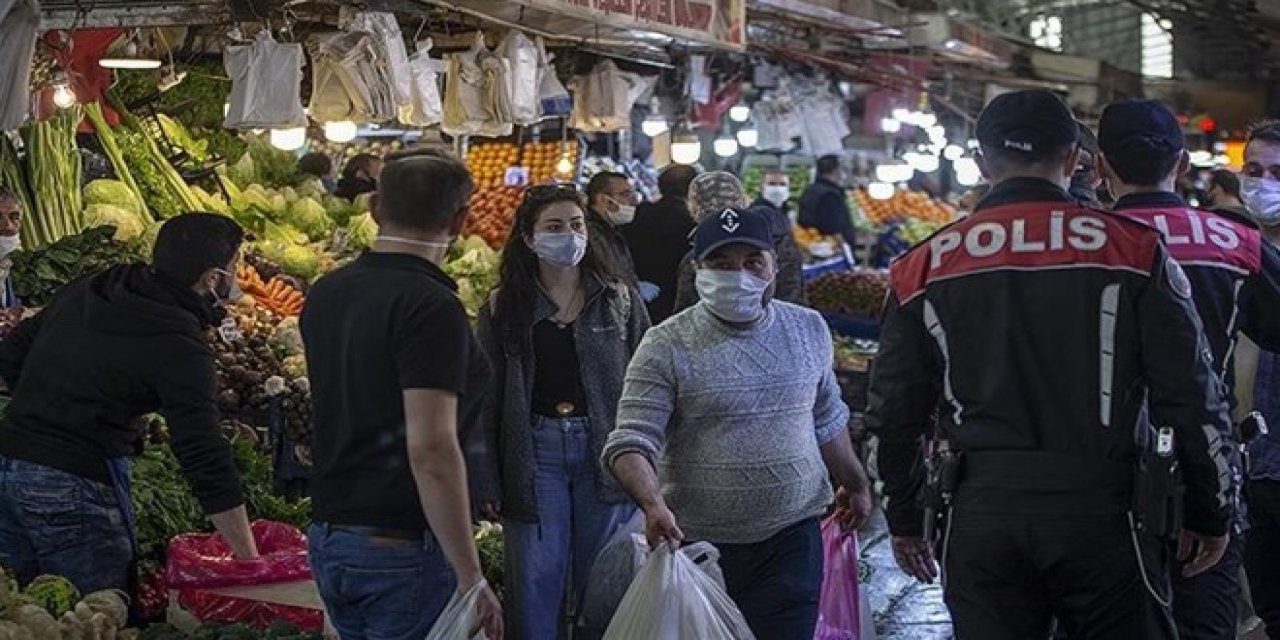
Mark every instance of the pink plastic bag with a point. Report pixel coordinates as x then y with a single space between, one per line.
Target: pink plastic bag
840 615
204 561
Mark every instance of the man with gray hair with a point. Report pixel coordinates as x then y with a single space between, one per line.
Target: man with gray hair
392 358
735 405
712 193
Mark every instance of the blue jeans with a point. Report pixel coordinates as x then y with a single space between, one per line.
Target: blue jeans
573 525
58 523
776 583
378 588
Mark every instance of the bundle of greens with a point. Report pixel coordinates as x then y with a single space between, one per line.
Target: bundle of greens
53 175
13 175
39 273
107 137
162 187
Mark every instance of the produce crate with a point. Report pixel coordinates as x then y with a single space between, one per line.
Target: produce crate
830 265
853 326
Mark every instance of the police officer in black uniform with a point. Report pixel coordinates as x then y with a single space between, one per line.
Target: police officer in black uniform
1235 283
1055 337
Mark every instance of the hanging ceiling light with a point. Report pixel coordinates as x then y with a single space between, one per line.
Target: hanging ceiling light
901 115
289 139
655 124
565 165
927 163
131 57
953 152
748 136
894 172
685 147
63 96
880 190
740 112
725 146
926 119
340 131
890 125
967 172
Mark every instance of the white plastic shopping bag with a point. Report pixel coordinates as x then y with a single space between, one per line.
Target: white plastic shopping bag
426 108
459 616
554 98
266 84
524 61
671 599
393 58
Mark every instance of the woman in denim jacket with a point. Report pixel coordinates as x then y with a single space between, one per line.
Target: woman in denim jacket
559 331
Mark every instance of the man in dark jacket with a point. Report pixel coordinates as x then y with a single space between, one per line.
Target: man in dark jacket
774 201
359 176
825 204
1224 194
108 350
1235 283
659 239
611 205
1041 519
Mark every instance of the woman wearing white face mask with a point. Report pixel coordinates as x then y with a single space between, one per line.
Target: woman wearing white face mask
559 331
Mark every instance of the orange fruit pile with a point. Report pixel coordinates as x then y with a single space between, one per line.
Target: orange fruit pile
493 205
904 205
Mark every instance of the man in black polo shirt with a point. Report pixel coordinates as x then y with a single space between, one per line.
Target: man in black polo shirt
391 357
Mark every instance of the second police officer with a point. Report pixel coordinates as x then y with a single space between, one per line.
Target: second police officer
1050 339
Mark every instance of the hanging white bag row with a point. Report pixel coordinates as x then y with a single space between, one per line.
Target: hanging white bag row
603 98
266 84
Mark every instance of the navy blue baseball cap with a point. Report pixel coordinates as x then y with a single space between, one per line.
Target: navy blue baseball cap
732 226
1139 127
1033 123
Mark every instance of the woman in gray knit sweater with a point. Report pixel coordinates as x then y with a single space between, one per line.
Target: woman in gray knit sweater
559 332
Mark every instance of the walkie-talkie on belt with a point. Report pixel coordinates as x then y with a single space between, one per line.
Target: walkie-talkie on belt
1157 494
943 476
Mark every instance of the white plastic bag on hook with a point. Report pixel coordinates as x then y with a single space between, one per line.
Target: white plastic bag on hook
347 81
266 84
524 60
674 600
426 108
477 93
553 97
394 58
19 27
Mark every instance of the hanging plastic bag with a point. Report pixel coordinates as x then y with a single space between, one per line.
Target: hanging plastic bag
19 27
673 600
392 55
523 59
842 610
552 94
266 84
459 616
348 82
604 98
426 108
477 98
617 564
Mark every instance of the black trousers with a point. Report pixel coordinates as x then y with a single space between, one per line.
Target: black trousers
1207 607
1008 576
1262 552
776 583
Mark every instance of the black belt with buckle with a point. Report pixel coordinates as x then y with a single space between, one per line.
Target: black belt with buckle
566 409
379 532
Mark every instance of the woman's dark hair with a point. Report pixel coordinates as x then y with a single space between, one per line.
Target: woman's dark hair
518 274
192 243
315 164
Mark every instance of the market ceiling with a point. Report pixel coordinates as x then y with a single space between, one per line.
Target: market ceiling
1231 37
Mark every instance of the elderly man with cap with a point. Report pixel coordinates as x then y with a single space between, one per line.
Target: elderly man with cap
1043 334
712 193
1235 283
735 403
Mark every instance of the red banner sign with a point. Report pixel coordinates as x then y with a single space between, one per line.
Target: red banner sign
721 22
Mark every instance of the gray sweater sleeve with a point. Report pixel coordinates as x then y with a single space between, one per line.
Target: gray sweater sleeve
647 403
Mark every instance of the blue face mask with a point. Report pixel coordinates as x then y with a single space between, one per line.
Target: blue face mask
1262 197
560 249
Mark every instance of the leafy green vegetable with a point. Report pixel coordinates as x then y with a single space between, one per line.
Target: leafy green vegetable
107 138
197 149
53 174
362 231
112 192
303 262
128 225
309 216
39 273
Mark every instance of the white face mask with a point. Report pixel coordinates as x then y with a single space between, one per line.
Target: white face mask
418 243
1262 197
9 244
733 296
560 249
778 194
623 214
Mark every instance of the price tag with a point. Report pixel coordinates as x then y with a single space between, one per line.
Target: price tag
230 332
516 177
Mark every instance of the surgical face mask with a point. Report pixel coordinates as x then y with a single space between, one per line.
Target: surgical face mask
778 194
733 296
623 214
419 243
228 290
560 249
9 244
1262 197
